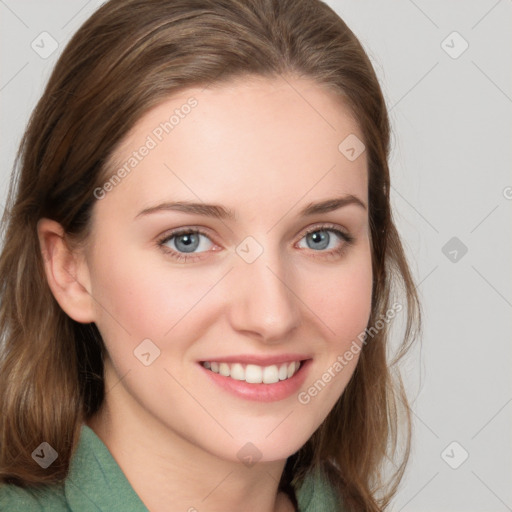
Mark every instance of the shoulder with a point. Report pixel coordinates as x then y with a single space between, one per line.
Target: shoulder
94 483
31 499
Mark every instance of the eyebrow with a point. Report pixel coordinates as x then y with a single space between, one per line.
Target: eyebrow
220 212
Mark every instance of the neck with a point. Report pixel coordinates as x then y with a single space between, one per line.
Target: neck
171 474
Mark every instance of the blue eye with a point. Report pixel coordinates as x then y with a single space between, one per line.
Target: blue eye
188 244
321 238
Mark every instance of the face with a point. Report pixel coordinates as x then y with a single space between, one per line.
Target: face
221 320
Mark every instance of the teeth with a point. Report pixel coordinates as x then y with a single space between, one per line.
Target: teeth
253 373
224 369
270 374
237 372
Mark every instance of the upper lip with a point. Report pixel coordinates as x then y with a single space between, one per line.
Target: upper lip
258 359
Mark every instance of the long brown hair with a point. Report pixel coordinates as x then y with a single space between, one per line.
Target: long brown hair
126 58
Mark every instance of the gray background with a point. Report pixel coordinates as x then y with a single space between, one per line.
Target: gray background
450 164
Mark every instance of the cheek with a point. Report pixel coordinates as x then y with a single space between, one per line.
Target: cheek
353 297
340 297
139 297
134 300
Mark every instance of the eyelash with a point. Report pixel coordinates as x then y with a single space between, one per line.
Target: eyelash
181 257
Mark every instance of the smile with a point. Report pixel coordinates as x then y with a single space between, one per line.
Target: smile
252 373
265 380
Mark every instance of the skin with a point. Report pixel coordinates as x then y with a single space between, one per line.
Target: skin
256 147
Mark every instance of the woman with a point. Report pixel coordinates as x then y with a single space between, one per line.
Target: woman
198 269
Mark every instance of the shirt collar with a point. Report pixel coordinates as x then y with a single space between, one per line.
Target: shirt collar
95 481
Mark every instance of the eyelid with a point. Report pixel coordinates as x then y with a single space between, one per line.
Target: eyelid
321 226
325 226
184 231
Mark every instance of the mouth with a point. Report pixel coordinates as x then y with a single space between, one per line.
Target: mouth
262 380
253 373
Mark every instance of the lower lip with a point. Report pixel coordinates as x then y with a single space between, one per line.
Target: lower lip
261 392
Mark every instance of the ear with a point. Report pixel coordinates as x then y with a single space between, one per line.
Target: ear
66 271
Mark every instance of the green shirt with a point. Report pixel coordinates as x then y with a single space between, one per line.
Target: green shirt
96 483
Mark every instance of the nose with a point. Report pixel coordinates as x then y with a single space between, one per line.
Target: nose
263 303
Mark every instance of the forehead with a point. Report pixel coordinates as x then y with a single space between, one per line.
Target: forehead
253 139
